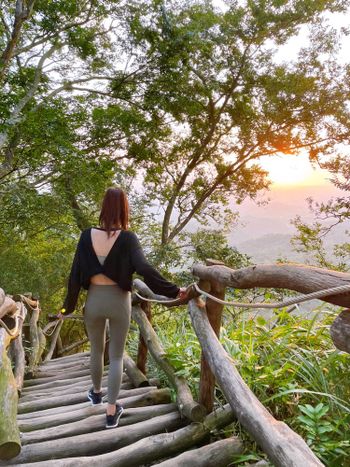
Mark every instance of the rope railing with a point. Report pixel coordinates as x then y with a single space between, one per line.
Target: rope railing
291 301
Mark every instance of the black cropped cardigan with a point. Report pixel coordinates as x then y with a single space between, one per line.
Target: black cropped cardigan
125 257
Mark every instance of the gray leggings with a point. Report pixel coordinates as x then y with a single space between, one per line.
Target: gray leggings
107 302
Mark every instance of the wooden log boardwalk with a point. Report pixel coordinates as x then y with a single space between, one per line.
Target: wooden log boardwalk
60 427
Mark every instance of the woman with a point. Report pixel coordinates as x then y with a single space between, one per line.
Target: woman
104 261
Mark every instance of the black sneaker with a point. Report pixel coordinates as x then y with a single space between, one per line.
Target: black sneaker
113 420
95 397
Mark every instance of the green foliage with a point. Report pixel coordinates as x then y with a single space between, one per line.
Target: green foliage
290 367
320 434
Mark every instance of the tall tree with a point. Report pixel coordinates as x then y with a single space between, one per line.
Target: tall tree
223 101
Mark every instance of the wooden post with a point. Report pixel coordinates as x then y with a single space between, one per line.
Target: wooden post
187 406
340 331
53 341
214 312
142 348
42 343
10 444
34 340
16 350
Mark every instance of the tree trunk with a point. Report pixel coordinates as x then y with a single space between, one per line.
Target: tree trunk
187 406
282 445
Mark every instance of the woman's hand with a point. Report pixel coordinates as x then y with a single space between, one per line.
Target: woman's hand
183 293
60 314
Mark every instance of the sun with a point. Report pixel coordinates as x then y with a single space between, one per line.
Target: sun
293 170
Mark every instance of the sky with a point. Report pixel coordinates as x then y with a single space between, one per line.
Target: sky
294 170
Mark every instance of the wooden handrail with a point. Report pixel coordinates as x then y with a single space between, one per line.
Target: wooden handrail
282 445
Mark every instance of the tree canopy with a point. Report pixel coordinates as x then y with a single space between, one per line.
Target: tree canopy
175 101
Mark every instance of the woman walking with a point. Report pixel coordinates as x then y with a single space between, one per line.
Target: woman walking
104 261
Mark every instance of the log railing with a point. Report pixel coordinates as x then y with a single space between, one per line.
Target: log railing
19 317
283 446
12 315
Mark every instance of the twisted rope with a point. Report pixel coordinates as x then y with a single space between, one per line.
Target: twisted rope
54 327
7 329
291 301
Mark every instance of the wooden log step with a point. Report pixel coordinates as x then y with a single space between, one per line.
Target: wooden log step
67 358
218 454
57 376
48 366
64 364
54 418
70 390
96 423
58 371
93 444
151 448
62 382
62 403
67 375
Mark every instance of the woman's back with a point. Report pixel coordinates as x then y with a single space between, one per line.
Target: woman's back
102 245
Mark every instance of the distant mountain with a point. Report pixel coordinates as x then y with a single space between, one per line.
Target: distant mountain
270 247
264 232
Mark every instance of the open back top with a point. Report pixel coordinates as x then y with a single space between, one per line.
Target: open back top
123 259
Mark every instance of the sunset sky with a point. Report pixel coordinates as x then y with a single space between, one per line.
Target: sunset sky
292 170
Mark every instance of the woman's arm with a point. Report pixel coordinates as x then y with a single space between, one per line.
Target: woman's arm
74 286
155 281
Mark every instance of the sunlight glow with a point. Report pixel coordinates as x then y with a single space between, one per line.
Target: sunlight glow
292 170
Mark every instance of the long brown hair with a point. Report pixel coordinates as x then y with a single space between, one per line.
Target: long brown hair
115 210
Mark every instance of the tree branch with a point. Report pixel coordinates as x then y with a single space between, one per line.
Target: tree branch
15 115
23 12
